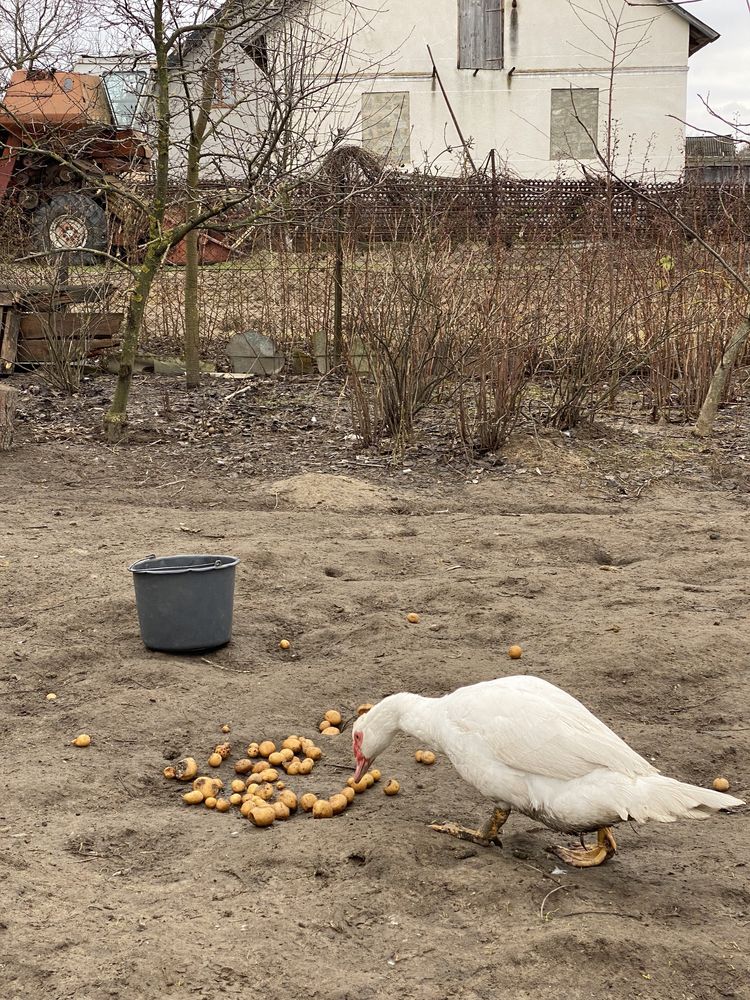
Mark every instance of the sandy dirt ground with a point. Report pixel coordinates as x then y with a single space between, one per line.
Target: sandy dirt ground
628 588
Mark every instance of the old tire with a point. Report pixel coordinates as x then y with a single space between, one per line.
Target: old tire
71 222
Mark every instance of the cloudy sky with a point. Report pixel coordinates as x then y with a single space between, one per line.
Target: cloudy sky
720 72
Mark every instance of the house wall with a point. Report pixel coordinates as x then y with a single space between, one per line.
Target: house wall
548 45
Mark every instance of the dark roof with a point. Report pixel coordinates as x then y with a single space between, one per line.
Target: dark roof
700 146
700 33
255 16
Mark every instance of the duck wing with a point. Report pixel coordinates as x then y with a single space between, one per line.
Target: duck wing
532 726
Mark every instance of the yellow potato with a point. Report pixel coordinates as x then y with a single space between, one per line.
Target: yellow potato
243 765
338 803
252 787
392 787
266 747
333 716
413 618
307 801
81 741
286 754
270 774
276 758
262 765
348 793
330 731
207 786
721 784
280 786
235 799
265 792
323 725
291 743
293 767
186 769
223 749
515 652
428 757
418 756
351 782
364 708
238 785
289 799
51 696
169 772
247 807
253 750
226 728
263 815
210 802
284 644
215 760
360 786
322 809
375 774
192 798
313 752
306 765
223 805
368 779
281 810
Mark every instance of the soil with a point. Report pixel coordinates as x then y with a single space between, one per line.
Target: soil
618 559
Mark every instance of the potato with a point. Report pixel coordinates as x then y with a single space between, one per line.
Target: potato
265 792
413 618
238 785
52 696
330 731
246 808
392 787
314 753
253 750
289 799
338 803
169 772
186 769
243 765
262 765
270 774
284 644
286 754
193 798
721 784
293 767
207 786
360 786
428 757
333 716
81 741
323 725
235 799
361 709
226 728
515 652
266 747
322 809
223 749
306 765
223 805
348 793
418 756
281 810
252 787
292 743
263 815
276 758
210 802
280 786
307 801
351 782
375 774
368 779
215 760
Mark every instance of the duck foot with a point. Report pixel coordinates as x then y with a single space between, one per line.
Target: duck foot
485 837
589 857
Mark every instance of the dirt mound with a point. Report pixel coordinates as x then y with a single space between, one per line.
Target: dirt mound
338 494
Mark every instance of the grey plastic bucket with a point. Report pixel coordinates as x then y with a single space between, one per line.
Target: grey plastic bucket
185 603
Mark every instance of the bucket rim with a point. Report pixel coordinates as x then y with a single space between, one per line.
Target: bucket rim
218 562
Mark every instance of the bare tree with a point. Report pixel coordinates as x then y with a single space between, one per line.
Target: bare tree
37 33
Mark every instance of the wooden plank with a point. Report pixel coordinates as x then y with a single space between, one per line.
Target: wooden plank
493 34
470 34
40 326
8 341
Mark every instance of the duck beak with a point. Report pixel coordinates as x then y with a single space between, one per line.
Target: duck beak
362 765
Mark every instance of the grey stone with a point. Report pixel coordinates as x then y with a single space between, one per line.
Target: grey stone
252 352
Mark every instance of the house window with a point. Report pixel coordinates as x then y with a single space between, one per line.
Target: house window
386 129
257 49
574 124
480 34
225 88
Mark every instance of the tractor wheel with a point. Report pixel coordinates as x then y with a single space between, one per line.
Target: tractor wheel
72 222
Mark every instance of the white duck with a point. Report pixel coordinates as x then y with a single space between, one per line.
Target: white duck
527 745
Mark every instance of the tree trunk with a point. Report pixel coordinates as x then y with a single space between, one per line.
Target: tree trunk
192 315
7 414
705 422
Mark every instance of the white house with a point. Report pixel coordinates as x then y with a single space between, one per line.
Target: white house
546 87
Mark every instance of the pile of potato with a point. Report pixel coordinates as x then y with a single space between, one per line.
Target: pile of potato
257 789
